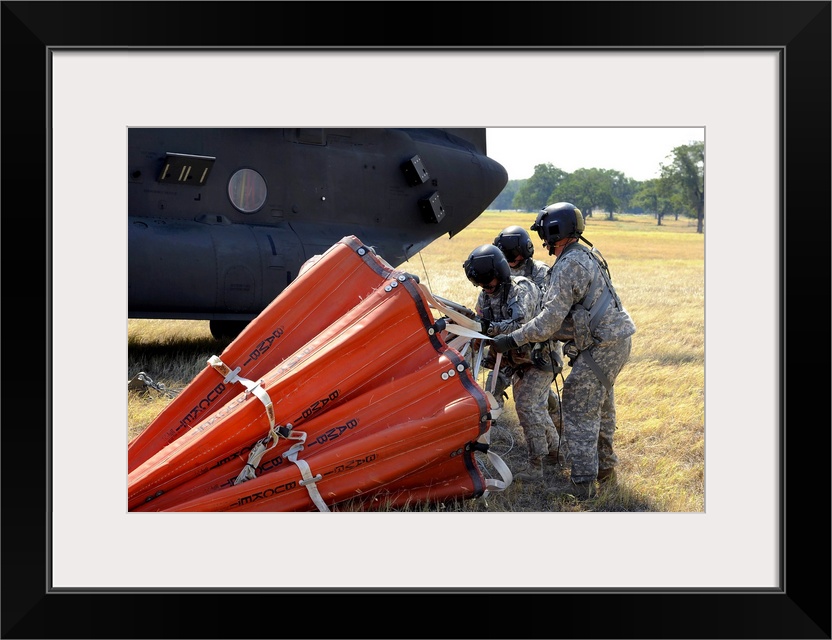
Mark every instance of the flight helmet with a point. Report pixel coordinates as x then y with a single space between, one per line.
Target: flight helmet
513 242
485 263
557 221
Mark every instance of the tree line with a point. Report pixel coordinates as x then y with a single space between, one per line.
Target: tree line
678 191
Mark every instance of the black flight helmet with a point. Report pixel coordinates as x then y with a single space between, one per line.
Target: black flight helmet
485 263
558 221
514 242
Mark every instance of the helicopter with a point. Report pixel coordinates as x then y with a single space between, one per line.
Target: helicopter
221 220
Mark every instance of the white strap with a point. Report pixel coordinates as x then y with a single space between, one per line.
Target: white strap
496 409
497 462
251 387
459 330
309 481
456 316
478 359
461 344
497 359
502 468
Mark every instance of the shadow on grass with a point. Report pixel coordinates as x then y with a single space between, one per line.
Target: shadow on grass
175 362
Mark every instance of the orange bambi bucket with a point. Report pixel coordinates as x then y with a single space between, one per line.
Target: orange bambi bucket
344 388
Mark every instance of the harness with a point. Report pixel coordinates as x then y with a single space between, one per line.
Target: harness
543 354
594 312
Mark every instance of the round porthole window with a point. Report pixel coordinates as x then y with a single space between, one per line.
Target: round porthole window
247 190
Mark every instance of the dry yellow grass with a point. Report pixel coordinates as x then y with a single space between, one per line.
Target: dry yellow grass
659 274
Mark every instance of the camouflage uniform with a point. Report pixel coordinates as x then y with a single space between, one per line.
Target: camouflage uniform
588 405
534 270
538 271
507 308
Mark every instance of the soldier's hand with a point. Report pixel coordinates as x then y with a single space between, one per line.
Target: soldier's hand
484 324
503 343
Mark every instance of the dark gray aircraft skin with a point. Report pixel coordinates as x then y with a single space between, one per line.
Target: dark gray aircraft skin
221 220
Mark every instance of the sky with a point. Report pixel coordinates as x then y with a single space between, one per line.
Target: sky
636 152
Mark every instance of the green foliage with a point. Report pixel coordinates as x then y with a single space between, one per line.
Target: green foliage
679 191
535 192
504 200
685 178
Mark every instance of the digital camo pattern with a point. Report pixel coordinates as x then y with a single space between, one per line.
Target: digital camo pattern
508 307
589 411
535 270
569 281
538 272
553 401
589 421
531 392
554 410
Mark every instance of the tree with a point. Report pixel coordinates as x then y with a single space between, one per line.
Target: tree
685 176
534 193
657 197
504 200
590 189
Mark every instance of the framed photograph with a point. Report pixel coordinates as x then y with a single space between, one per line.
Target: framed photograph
755 75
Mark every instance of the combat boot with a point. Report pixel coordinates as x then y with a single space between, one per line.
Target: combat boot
532 472
607 475
584 490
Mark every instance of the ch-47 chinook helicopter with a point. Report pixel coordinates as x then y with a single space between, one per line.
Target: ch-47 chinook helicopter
220 220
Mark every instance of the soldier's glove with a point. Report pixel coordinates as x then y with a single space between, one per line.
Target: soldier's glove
503 343
484 324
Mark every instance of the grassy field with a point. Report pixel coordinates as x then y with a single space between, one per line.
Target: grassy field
658 272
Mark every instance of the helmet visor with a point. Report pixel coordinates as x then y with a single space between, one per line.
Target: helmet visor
481 270
510 246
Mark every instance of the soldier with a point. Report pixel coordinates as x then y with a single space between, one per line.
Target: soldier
518 249
581 308
503 305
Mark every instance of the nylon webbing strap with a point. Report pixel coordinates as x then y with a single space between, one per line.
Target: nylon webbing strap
309 481
459 330
595 368
499 465
598 309
456 316
497 360
251 387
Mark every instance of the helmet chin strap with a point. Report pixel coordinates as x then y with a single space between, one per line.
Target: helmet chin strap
560 245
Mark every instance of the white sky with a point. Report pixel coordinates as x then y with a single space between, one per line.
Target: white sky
636 152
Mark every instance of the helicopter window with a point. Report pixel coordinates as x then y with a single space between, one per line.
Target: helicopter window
247 190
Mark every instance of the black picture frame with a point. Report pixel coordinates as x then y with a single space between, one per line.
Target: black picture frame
800 608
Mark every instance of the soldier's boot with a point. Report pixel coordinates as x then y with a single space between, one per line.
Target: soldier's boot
584 490
580 490
532 472
607 475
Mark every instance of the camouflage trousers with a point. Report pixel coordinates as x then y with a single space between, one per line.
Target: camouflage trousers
531 401
553 404
589 411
